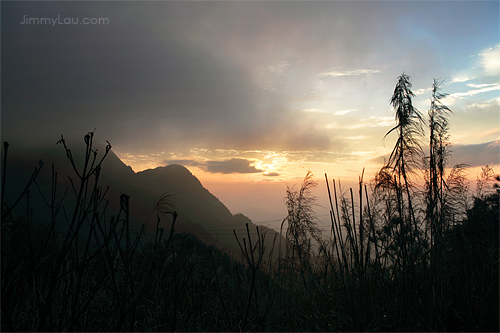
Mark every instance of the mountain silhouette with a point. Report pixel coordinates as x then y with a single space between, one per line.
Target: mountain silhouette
200 213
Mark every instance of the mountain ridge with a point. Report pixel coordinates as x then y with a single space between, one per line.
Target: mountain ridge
199 212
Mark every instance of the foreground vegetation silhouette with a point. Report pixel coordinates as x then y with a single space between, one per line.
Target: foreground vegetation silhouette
399 258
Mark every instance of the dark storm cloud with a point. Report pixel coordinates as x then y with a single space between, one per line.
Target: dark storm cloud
234 165
131 78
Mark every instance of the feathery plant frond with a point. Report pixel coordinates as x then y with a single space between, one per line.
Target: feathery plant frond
301 217
439 143
407 153
401 101
164 204
457 188
485 182
439 127
409 127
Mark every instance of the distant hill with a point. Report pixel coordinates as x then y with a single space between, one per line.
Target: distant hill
200 213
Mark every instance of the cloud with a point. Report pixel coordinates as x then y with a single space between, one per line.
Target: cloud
482 85
343 112
178 75
183 162
490 61
477 154
278 67
196 86
461 78
379 159
313 110
422 91
271 174
487 153
336 71
489 88
383 121
234 165
374 121
492 103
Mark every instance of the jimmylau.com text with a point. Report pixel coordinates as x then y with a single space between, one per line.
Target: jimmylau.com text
53 21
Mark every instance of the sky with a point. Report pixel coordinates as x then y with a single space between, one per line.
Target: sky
251 95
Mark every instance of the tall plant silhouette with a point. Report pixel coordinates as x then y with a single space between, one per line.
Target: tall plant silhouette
439 152
407 152
395 179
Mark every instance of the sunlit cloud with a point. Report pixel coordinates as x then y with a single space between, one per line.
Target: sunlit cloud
493 132
461 78
476 91
313 110
422 91
183 162
490 61
484 105
358 126
383 121
478 86
374 121
338 71
362 153
343 112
